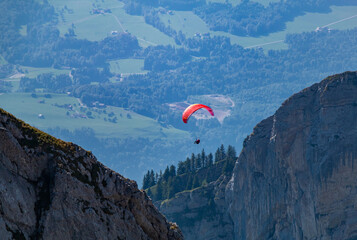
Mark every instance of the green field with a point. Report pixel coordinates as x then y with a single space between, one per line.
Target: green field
128 124
33 72
96 27
23 30
127 66
265 2
190 24
233 2
236 2
2 60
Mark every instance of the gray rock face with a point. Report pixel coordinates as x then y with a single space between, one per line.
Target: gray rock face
296 177
50 189
201 213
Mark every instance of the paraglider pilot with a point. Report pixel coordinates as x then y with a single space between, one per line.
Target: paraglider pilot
190 110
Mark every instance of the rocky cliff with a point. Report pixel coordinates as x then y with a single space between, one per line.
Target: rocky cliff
202 212
50 189
296 177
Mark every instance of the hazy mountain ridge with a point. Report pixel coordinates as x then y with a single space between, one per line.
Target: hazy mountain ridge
294 179
50 189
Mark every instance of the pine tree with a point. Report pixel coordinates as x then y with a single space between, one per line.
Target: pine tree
204 158
193 160
160 176
146 180
231 153
173 187
172 171
181 168
198 162
223 152
210 160
166 173
217 156
228 166
151 179
188 165
159 190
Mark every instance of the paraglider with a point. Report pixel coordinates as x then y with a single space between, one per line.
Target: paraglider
193 108
190 110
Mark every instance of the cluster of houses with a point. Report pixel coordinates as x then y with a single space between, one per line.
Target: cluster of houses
100 11
165 11
322 29
70 107
78 115
202 35
98 104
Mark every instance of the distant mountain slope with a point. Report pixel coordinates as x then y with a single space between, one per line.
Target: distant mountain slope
294 179
50 189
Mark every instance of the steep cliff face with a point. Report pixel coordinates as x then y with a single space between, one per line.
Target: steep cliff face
50 189
296 177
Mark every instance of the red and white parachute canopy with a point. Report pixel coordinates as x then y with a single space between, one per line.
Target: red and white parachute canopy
193 108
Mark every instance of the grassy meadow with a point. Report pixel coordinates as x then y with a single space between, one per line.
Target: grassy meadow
236 2
33 72
106 122
96 27
2 60
127 66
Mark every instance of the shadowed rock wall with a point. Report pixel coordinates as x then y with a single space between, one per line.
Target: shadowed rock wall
296 177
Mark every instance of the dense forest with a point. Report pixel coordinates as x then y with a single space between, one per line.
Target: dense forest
196 171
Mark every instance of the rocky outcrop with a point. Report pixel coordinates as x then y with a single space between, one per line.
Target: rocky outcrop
202 212
50 189
296 177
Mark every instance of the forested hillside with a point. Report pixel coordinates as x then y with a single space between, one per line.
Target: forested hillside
196 171
252 18
246 18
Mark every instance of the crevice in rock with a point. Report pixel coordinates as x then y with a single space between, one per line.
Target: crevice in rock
44 187
16 234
